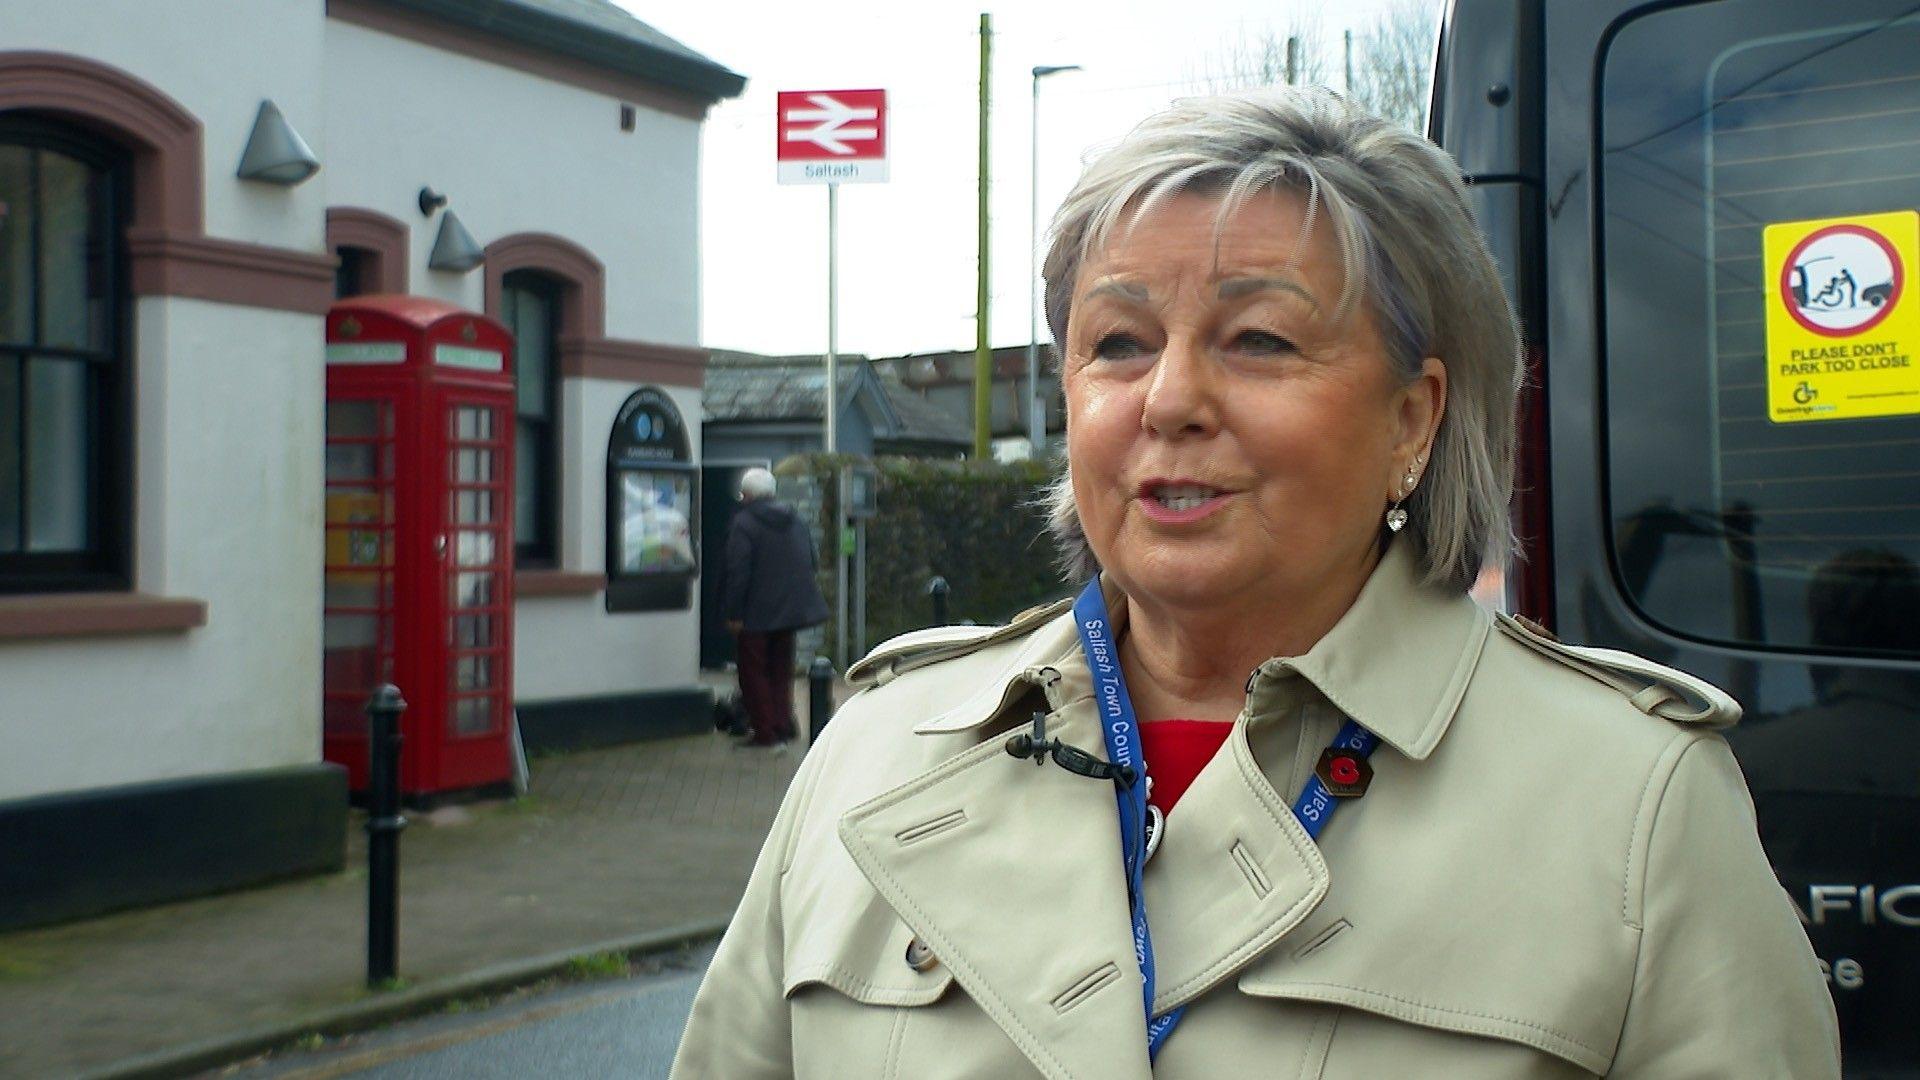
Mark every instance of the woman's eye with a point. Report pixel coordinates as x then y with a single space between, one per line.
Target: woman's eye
1260 341
1118 347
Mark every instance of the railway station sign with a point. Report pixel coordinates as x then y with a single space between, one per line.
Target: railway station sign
831 136
1843 325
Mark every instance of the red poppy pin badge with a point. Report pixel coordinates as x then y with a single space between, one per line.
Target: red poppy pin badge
1345 773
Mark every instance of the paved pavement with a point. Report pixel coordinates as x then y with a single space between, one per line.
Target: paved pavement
611 844
627 1027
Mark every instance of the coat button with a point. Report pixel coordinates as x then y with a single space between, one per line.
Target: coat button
919 957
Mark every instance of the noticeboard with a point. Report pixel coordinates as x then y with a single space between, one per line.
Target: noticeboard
1842 325
652 507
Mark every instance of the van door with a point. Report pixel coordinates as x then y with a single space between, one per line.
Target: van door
1728 197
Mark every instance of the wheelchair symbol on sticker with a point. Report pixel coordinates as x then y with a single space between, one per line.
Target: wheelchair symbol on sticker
1841 280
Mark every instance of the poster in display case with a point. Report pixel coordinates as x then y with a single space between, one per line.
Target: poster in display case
652 507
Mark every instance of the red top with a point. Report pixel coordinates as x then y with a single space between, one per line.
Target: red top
1176 751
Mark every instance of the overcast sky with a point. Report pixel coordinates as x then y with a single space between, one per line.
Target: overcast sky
907 247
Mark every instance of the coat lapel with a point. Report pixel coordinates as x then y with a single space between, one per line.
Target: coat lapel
1234 874
1011 873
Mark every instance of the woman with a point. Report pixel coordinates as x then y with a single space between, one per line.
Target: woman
1377 832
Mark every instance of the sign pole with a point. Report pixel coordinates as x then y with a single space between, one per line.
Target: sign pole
1036 401
982 349
833 429
832 443
832 137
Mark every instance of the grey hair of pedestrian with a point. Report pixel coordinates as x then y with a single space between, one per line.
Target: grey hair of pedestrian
756 483
1413 261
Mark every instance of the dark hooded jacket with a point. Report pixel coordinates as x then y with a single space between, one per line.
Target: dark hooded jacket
768 583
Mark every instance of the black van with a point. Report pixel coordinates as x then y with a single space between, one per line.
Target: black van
1628 158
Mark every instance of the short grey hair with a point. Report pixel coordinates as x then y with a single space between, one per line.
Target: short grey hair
1413 259
756 483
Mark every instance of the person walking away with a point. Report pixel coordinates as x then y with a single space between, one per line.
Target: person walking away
767 593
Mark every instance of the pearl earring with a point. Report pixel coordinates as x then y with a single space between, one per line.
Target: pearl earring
1397 513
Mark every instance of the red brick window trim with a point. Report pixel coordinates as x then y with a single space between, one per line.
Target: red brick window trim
50 615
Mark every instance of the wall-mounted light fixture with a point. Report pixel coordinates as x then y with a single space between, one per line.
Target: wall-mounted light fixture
429 201
276 154
454 247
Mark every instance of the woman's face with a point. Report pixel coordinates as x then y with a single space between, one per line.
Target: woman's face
1234 446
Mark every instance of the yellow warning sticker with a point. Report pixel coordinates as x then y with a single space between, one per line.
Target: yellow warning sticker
1842 333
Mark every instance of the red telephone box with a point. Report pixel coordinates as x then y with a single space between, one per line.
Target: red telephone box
419 547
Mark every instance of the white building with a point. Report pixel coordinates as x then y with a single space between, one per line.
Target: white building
162 390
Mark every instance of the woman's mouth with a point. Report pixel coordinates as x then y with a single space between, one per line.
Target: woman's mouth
1179 503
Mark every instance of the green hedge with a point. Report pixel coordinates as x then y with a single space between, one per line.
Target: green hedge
972 523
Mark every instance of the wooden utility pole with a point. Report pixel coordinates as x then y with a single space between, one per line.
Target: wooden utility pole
982 348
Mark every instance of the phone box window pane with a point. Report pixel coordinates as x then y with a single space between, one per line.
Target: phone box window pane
16 244
473 673
473 589
472 716
475 547
473 466
473 507
352 590
472 631
471 423
59 430
355 419
349 631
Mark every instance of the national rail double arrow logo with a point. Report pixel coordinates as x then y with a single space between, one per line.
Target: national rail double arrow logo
831 136
832 117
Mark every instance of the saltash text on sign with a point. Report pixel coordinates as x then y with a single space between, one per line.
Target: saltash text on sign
831 136
1842 331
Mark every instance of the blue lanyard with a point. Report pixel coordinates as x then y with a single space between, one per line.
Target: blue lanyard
1117 722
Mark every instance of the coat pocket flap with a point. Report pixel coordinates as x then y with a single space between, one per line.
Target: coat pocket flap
1538 1033
862 952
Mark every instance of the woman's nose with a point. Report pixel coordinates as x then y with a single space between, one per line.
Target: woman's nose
1182 398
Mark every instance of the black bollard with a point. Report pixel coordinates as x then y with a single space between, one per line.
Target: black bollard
819 697
383 833
938 589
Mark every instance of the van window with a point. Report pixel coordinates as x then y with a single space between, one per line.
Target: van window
1750 154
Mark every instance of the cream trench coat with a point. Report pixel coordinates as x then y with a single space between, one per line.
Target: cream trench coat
1554 874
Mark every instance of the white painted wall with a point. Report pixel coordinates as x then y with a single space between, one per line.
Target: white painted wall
514 153
570 646
228 511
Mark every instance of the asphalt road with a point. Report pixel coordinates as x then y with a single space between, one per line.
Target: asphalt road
616 1028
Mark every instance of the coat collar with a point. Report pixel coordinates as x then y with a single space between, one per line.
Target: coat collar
1398 661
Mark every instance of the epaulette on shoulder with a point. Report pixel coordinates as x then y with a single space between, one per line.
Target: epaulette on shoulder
1653 688
918 648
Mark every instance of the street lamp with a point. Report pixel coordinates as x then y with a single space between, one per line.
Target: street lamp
1036 404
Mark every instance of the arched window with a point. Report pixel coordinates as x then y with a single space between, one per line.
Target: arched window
530 306
65 462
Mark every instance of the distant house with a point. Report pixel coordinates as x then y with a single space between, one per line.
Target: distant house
760 409
944 381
